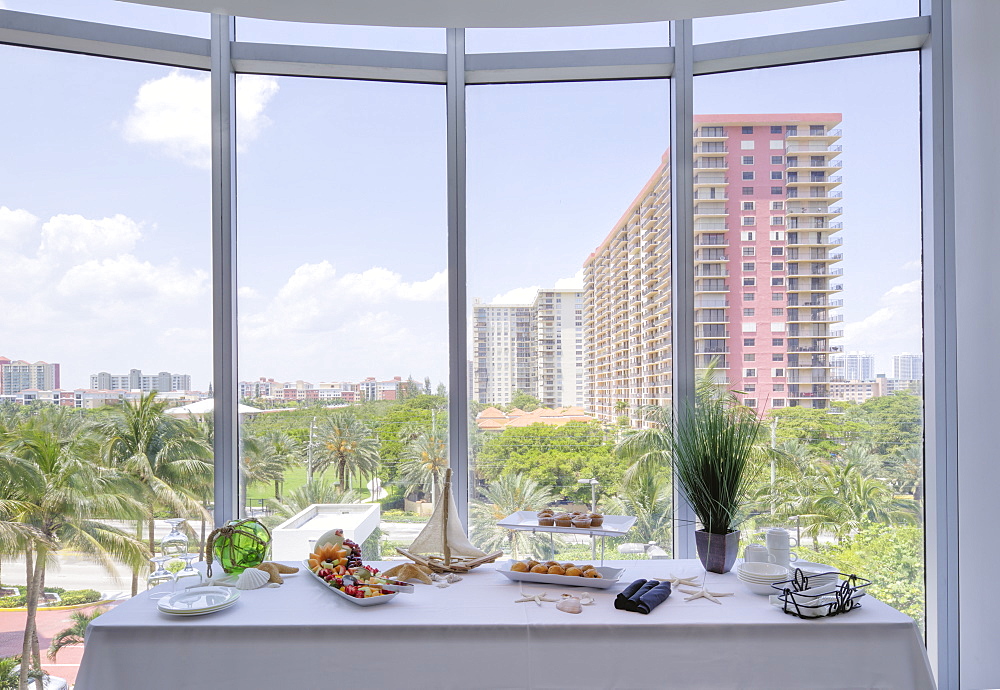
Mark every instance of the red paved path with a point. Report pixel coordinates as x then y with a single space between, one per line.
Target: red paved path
50 623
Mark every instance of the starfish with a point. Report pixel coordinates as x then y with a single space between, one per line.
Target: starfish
679 581
537 598
704 594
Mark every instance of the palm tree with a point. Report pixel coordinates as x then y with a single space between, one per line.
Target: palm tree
261 460
308 494
648 495
74 634
840 499
8 673
347 444
509 494
168 456
67 498
425 460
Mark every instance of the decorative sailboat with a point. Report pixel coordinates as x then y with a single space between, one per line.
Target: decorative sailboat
442 545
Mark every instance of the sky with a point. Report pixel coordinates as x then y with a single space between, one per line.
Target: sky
104 194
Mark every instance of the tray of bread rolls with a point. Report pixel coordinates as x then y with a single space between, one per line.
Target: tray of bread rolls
560 573
591 524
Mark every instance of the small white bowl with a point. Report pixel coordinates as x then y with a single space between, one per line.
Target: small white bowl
762 570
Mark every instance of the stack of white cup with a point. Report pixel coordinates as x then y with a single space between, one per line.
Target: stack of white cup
779 544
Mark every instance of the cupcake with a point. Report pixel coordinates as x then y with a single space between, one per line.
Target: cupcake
547 521
545 513
564 520
582 522
596 519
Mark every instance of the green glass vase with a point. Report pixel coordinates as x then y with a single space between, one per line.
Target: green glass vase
246 545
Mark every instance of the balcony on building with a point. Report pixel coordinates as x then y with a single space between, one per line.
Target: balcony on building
710 133
795 182
710 179
812 255
813 285
710 285
710 255
801 237
800 210
703 162
812 148
817 161
805 268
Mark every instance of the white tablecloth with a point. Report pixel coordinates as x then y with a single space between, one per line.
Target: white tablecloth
472 635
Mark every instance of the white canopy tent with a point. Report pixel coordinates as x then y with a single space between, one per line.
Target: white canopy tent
204 407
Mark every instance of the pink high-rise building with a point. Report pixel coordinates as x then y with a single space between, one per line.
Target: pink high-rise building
766 201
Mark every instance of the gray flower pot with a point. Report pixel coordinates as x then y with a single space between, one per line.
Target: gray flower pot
717 551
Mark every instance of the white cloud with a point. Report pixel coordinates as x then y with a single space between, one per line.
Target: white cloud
895 326
81 237
914 265
173 113
17 226
246 292
574 282
524 295
75 293
360 323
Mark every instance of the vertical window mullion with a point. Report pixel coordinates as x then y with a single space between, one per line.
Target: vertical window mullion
225 439
458 389
682 253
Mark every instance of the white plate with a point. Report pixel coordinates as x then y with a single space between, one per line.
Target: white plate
614 525
199 601
368 601
609 576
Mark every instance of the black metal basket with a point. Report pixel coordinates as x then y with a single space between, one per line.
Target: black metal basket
841 599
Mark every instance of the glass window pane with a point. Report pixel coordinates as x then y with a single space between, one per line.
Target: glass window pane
421 40
105 245
845 406
121 14
569 283
343 314
843 13
644 35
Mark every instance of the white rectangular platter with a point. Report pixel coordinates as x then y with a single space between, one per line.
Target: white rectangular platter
369 601
614 525
609 576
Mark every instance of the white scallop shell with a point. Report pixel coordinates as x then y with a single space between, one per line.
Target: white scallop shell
570 605
251 578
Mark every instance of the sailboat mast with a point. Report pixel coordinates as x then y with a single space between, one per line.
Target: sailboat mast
446 506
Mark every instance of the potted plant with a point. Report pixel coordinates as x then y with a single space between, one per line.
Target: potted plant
716 456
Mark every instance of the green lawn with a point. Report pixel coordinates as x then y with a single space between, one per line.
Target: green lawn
294 478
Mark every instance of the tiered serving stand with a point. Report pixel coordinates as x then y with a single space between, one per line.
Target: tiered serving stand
527 521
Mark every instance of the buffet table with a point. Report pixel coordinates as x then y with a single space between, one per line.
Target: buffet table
473 635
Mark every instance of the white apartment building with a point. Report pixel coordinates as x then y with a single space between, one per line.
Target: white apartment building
17 375
852 366
907 367
559 366
536 348
135 380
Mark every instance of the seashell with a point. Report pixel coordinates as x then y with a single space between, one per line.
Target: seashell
570 605
452 578
251 578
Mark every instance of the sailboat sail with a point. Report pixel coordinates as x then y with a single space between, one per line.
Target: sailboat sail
445 529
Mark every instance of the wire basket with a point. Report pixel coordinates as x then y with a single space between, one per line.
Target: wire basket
841 599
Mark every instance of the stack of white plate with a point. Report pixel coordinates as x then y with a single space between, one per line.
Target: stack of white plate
758 577
818 573
199 601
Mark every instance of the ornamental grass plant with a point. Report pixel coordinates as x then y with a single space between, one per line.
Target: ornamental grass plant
714 449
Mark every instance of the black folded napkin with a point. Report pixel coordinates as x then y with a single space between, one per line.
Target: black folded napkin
642 596
653 597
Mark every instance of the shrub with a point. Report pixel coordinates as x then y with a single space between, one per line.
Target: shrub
80 596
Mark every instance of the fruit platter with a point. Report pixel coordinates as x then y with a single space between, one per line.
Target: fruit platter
336 563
